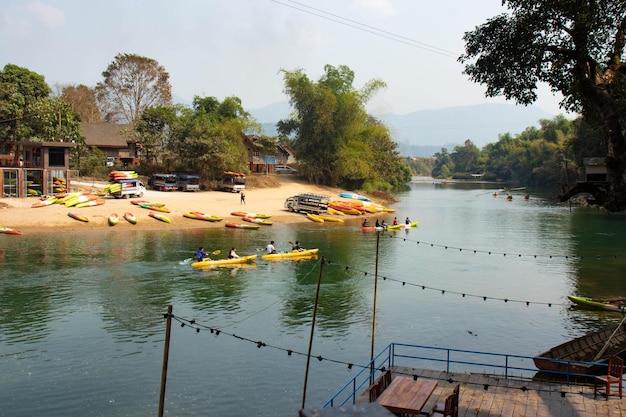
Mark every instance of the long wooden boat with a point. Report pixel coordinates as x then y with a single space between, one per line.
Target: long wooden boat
614 304
217 262
291 254
594 347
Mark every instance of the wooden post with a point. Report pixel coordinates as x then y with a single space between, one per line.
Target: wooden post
308 356
166 354
374 312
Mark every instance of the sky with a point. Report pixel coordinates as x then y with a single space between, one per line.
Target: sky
224 48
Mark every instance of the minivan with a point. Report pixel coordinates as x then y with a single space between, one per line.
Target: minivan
284 169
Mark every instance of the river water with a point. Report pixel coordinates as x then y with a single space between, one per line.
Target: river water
82 329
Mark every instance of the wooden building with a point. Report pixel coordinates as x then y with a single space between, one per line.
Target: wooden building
35 169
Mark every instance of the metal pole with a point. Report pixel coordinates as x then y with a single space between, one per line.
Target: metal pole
374 312
308 356
166 354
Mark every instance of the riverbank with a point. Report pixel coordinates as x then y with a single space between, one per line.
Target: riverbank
17 213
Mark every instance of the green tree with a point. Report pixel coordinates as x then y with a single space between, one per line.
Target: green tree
152 132
467 159
53 121
336 142
443 166
576 47
131 84
19 89
82 100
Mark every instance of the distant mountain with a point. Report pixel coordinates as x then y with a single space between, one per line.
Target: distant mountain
424 132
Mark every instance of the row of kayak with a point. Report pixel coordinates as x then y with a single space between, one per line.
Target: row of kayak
295 254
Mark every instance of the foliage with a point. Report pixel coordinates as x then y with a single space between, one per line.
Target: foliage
152 131
577 48
420 166
53 121
337 143
444 166
131 84
19 89
82 100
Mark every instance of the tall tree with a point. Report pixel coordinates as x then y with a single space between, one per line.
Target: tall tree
131 84
19 89
82 100
335 140
576 47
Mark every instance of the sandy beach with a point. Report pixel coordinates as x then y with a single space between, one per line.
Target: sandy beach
17 213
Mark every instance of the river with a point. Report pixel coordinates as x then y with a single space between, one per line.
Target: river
82 328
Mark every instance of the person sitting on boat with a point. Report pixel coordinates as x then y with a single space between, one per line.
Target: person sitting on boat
383 224
270 248
407 221
297 246
366 223
200 254
232 254
395 221
377 223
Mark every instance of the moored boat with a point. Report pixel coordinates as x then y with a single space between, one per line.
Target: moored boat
241 260
252 215
78 217
130 217
113 219
257 221
160 217
582 355
201 216
330 218
241 226
9 231
314 217
291 254
613 304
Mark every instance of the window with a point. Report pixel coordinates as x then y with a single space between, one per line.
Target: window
56 157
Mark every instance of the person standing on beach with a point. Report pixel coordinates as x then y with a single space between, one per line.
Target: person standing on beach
243 198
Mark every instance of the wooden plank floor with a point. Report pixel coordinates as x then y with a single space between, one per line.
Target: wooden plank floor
489 396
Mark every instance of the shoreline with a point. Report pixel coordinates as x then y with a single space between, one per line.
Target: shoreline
18 214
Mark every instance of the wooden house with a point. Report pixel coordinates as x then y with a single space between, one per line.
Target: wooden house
35 169
111 139
259 162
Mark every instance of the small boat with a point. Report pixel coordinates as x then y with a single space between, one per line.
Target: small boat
201 216
78 217
330 218
241 260
291 254
314 217
595 347
402 226
355 196
613 304
241 226
9 231
337 212
113 219
252 215
158 216
154 207
90 203
130 218
257 221
372 228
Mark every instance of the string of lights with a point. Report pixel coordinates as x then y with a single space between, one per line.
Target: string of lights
504 254
444 291
198 327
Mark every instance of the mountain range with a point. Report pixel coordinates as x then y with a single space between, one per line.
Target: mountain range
424 132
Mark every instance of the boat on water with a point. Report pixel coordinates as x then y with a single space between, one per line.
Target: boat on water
402 226
291 254
217 262
9 231
612 304
241 226
584 354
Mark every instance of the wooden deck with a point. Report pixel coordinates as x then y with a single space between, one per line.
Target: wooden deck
489 396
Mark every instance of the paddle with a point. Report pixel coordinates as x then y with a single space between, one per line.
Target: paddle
188 260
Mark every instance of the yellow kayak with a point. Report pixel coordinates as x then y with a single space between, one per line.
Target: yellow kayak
290 255
217 262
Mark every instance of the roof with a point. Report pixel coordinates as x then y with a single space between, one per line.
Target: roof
104 135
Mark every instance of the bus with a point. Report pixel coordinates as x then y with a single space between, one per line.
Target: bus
163 182
187 182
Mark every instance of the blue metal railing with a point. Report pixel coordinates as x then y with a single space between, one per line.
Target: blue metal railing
450 360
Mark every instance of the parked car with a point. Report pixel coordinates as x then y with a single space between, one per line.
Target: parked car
284 169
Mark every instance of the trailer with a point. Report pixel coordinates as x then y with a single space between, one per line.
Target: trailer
308 203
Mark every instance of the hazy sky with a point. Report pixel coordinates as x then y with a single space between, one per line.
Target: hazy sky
227 48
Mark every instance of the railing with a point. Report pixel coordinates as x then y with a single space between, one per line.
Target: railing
450 360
